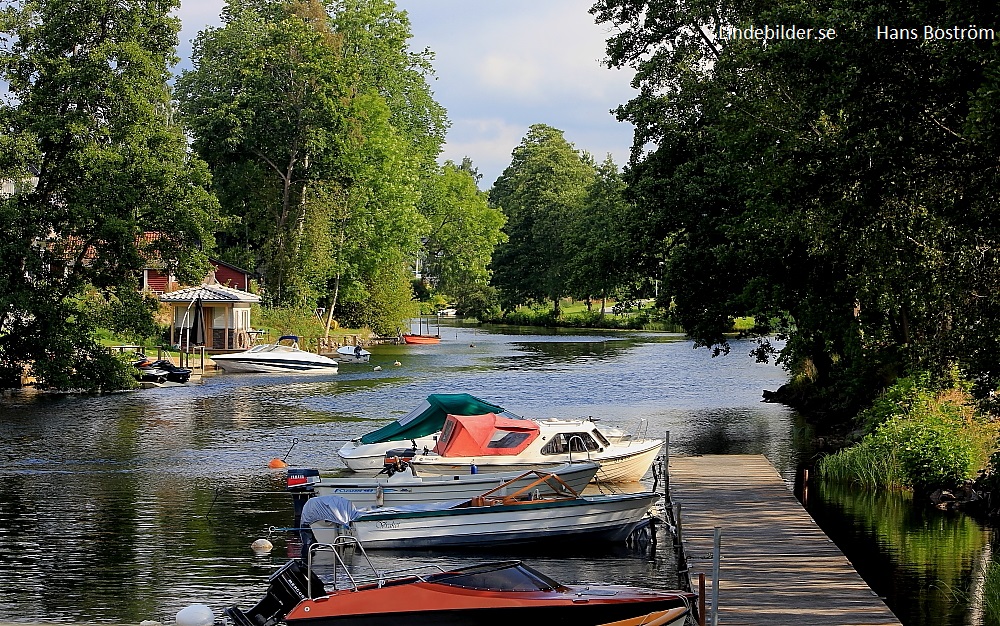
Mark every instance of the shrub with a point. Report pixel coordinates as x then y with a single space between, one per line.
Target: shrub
923 438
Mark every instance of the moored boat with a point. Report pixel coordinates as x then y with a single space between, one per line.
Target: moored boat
421 339
353 354
414 431
500 516
487 594
276 357
495 443
669 617
400 488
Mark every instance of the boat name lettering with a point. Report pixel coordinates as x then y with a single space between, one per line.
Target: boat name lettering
387 524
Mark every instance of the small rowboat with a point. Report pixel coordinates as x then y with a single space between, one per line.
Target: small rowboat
421 339
670 617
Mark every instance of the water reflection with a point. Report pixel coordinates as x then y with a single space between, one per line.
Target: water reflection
924 562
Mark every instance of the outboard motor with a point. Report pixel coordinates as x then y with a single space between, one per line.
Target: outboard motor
286 588
397 460
299 483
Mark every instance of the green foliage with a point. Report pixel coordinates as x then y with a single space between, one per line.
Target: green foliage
321 131
865 464
279 320
464 230
923 438
541 192
842 193
89 108
991 594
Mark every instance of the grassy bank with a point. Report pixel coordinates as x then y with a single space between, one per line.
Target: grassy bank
920 435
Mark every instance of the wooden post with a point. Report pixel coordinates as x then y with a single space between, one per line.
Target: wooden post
677 523
666 467
701 599
716 566
805 487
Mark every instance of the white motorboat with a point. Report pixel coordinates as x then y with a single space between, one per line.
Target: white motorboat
276 357
489 519
406 487
353 354
494 443
414 431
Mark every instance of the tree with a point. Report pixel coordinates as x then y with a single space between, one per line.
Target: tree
464 231
313 119
605 241
90 111
836 190
265 103
541 191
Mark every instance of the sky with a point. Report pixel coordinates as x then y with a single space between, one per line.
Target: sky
501 66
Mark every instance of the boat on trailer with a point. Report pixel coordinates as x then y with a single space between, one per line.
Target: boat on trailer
487 594
543 509
283 355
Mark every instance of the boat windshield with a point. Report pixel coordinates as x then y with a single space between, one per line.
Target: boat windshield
502 576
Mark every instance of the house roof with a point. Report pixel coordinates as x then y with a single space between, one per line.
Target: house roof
209 293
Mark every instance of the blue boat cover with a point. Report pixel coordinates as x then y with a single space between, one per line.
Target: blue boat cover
342 511
428 418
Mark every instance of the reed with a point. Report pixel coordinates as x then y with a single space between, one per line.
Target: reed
867 464
991 594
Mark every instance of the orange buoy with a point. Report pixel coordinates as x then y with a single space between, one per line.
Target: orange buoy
277 464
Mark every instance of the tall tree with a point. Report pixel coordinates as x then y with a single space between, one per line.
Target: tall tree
319 161
835 189
266 105
88 109
464 231
541 191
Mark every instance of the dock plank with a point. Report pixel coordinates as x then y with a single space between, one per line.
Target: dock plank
777 567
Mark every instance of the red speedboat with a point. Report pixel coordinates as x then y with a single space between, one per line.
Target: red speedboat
501 593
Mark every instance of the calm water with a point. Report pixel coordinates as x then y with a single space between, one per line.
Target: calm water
129 507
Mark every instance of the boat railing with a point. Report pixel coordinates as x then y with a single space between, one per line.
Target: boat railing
583 446
641 429
378 577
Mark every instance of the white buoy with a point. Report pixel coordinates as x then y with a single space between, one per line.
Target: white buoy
195 615
261 545
377 368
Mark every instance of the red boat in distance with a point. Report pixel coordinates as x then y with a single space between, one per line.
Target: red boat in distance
421 339
489 594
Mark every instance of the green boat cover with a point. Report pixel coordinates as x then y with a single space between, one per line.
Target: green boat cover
428 418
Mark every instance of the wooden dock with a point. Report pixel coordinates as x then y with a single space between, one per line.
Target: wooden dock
777 566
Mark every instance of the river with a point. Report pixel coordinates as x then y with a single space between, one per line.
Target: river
126 507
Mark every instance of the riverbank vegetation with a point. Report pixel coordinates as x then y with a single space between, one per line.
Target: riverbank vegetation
921 435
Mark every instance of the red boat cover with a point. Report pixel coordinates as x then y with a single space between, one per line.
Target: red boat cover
484 435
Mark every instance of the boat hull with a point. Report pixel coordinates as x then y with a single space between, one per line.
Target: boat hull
369 458
580 614
251 365
599 518
401 490
628 466
421 339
